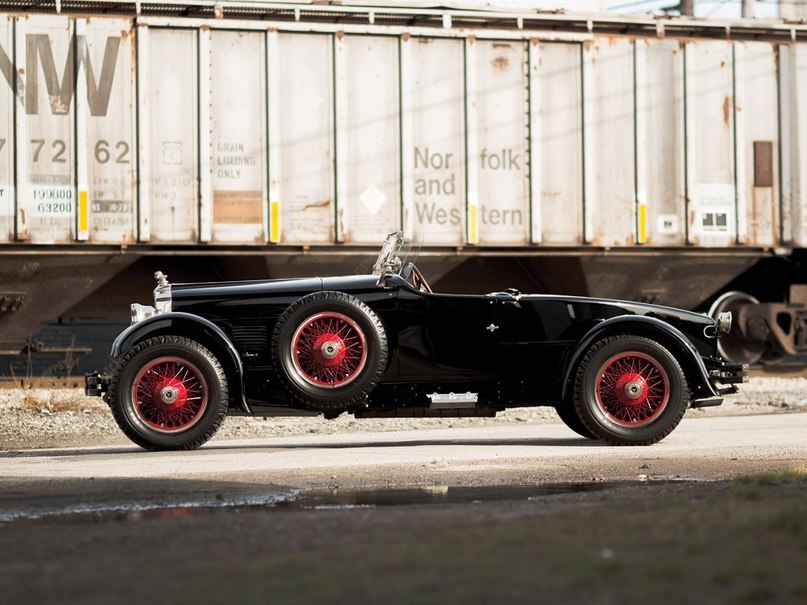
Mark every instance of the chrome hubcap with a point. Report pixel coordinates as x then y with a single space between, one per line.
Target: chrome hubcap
330 349
169 395
633 389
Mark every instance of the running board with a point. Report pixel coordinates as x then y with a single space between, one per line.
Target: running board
466 412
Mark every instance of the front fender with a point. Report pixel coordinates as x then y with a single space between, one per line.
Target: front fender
641 326
190 325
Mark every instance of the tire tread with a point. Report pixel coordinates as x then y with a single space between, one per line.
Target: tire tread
120 417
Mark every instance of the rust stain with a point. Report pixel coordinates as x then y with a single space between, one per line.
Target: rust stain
502 45
340 34
322 204
535 41
726 109
501 63
405 36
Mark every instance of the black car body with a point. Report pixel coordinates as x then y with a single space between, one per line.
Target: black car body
385 345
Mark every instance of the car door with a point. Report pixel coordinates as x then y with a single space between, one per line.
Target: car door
447 336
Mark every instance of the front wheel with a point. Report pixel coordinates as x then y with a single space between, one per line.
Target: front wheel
630 390
168 393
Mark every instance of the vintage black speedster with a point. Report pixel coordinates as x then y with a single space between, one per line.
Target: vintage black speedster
385 345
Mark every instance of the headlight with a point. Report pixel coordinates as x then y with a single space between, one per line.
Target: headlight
141 312
724 322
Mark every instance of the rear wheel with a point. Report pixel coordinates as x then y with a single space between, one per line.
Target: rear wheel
169 393
630 390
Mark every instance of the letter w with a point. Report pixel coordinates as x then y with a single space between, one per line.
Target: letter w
38 47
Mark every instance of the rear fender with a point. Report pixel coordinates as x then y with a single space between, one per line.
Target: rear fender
650 327
196 328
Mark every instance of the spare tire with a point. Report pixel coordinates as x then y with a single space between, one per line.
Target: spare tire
329 350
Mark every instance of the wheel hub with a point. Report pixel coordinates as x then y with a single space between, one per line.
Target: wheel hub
169 395
631 389
329 350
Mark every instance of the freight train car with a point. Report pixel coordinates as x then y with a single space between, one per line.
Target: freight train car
648 158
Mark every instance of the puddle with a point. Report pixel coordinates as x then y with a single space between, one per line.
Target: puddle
435 494
330 499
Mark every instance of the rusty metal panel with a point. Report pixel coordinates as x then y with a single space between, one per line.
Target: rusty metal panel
609 143
661 198
306 122
6 130
109 213
238 136
438 122
757 135
45 145
372 206
172 170
710 143
503 143
561 144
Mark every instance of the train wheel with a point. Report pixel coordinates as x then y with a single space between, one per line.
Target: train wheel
735 346
630 390
169 393
329 350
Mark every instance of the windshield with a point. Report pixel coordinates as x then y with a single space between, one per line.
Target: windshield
388 260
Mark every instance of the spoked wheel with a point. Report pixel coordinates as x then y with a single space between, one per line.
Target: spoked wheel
329 350
630 390
169 393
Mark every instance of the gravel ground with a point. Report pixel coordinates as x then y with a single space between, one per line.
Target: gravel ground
44 418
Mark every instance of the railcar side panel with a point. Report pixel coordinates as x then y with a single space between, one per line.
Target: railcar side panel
757 135
237 151
172 170
561 143
438 140
6 133
710 144
660 192
610 197
502 213
368 71
306 138
793 89
171 132
46 180
108 210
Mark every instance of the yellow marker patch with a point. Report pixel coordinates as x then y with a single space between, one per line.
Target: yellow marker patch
473 232
83 212
274 221
642 223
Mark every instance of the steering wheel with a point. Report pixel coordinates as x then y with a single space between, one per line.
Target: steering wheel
413 275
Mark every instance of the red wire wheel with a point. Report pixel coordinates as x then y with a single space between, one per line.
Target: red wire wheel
169 395
329 350
632 389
